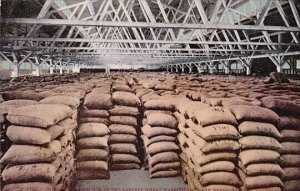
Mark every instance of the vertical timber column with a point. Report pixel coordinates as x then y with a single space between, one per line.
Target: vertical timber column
38 69
107 69
61 70
16 70
176 68
279 68
51 69
182 68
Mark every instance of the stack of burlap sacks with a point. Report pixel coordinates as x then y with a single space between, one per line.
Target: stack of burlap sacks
41 156
209 142
159 137
5 143
124 118
259 157
93 135
289 127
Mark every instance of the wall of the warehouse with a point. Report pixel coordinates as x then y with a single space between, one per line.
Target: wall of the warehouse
26 68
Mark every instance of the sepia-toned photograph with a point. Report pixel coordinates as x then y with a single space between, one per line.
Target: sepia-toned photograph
149 95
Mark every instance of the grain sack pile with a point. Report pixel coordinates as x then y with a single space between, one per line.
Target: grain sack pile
289 127
93 134
159 137
260 148
124 127
213 148
185 109
40 157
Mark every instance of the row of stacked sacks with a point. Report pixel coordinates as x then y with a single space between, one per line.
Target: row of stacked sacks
209 143
124 127
289 127
41 156
159 135
92 150
259 156
5 108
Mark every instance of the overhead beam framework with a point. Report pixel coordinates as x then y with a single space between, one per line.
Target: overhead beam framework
194 29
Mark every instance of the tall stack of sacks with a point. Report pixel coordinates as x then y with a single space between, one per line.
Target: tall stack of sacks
36 159
124 118
213 148
289 126
68 138
5 108
93 134
96 106
185 111
159 136
260 148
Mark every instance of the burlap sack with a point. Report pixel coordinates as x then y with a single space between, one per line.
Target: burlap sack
291 173
29 173
126 148
125 120
165 167
28 95
23 154
214 132
289 122
163 158
290 160
122 138
162 120
92 154
92 130
258 128
122 129
220 146
7 106
156 139
290 135
260 182
163 174
99 166
98 100
28 135
216 166
264 169
32 186
159 104
159 147
124 111
258 156
126 98
290 148
222 187
146 113
226 178
260 142
35 115
214 115
124 158
123 88
281 106
202 159
291 185
93 142
157 131
70 101
94 113
257 114
94 120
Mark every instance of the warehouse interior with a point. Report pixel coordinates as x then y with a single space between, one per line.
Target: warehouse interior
150 95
